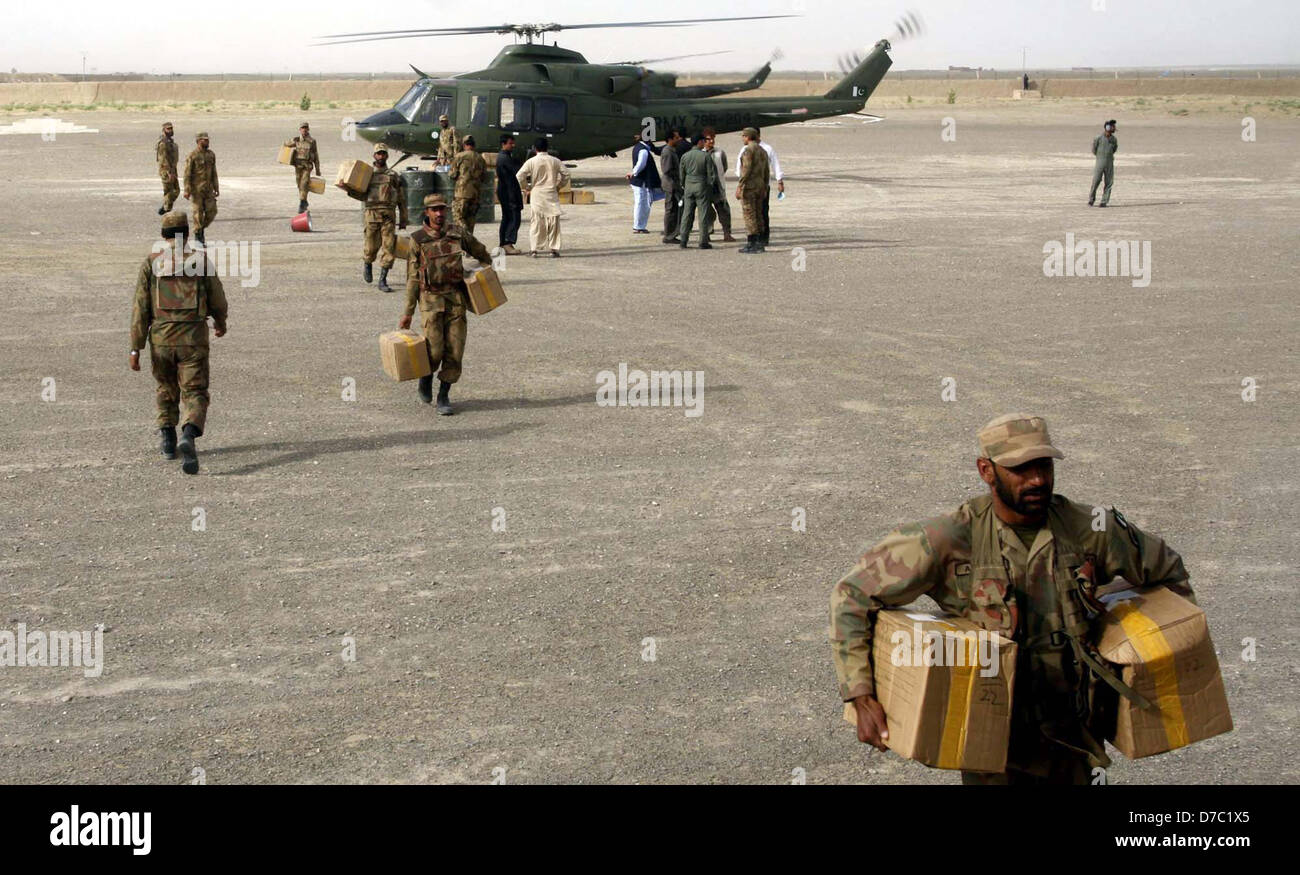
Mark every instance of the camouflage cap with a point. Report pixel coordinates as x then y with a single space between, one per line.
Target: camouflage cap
443 118
379 147
174 220
436 201
201 135
304 125
752 133
167 124
1016 438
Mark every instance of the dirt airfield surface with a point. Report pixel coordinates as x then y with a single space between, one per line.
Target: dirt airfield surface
526 650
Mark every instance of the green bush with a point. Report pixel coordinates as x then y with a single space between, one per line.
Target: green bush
305 103
952 96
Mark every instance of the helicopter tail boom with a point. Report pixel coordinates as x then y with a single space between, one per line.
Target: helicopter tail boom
865 76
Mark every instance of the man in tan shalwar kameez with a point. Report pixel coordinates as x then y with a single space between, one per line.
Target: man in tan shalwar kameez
541 178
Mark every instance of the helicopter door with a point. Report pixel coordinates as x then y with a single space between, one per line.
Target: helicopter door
432 108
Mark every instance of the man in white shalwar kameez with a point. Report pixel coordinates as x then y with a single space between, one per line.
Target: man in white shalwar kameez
541 178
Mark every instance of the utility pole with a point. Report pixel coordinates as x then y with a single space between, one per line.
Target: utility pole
1023 68
83 66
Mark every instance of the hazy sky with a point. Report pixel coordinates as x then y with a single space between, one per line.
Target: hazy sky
244 36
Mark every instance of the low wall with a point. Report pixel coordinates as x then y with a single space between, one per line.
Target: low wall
244 91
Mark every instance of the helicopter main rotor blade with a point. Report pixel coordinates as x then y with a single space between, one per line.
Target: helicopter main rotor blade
528 30
644 61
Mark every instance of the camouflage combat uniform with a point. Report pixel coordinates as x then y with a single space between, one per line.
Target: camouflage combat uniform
385 201
449 142
436 278
305 157
754 172
201 186
975 566
168 154
467 171
1104 148
171 311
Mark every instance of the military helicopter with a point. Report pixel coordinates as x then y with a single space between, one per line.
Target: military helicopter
532 90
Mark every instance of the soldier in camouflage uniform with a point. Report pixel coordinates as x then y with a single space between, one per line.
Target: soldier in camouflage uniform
167 154
467 171
176 291
448 141
385 201
752 189
1022 562
304 158
435 278
201 186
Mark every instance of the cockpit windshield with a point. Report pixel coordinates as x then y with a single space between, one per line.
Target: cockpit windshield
411 99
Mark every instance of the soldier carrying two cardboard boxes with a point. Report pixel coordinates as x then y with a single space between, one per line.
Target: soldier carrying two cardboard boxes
305 156
435 278
385 200
1022 562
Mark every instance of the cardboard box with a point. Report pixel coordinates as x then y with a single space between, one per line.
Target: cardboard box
485 292
286 155
404 354
355 175
946 688
402 247
316 184
1160 644
566 195
583 196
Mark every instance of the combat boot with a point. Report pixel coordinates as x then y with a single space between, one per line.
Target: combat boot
168 444
302 206
759 245
706 245
198 235
189 455
383 280
749 245
425 388
366 273
444 403
162 211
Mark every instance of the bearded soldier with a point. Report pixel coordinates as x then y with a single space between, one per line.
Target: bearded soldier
304 158
467 171
201 186
176 291
1022 562
752 190
167 154
435 278
448 141
385 201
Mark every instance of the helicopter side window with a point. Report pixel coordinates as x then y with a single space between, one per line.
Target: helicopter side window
551 116
411 100
478 110
516 113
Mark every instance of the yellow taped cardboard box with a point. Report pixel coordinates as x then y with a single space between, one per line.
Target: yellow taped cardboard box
404 355
402 247
945 686
485 292
286 155
355 175
1160 643
316 184
584 196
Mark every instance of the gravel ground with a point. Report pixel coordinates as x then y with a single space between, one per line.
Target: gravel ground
477 649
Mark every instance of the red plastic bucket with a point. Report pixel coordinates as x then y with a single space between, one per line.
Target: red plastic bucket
302 221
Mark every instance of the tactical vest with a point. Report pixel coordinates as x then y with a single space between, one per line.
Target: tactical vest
180 308
302 150
438 264
1063 657
382 193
